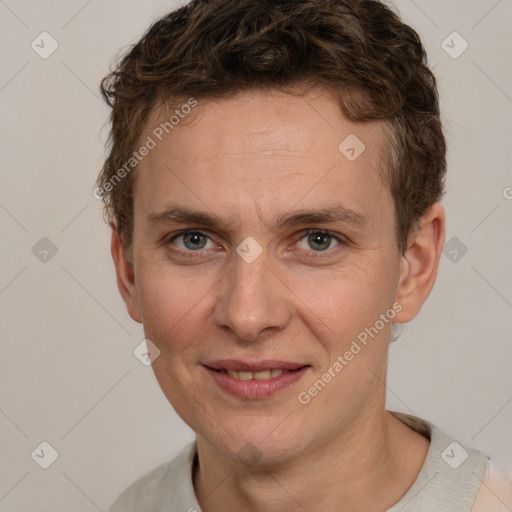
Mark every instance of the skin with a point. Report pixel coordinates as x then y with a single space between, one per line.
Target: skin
247 159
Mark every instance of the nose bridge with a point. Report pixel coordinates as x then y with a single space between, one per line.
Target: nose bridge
252 297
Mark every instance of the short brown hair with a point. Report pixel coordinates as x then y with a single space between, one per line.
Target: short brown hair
360 49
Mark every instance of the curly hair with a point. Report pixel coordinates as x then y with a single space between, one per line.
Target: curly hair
360 49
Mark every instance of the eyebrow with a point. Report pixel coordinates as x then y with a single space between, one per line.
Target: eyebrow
338 213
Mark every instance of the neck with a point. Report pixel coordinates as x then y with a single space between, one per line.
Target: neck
368 467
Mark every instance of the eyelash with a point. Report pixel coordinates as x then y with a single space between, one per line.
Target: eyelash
190 254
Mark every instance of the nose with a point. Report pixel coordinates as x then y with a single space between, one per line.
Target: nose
253 299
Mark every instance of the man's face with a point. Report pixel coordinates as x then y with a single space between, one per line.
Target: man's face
246 162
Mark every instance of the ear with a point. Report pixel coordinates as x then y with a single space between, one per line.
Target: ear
418 265
125 276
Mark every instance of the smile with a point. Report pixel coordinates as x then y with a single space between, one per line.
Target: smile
254 380
264 375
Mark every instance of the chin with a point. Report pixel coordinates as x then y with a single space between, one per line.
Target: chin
258 441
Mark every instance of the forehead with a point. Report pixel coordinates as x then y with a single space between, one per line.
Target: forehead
258 121
261 151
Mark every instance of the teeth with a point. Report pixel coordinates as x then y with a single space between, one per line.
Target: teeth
263 375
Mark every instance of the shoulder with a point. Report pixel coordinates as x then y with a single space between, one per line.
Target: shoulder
451 476
495 492
141 494
151 492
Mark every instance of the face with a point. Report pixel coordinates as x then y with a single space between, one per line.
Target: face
293 255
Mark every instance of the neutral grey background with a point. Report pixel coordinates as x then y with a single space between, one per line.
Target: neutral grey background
67 369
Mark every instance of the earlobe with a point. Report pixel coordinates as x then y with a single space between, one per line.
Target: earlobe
125 276
418 266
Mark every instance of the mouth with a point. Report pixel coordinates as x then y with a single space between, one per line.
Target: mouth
260 375
255 379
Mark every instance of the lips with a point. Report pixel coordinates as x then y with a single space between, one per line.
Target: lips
254 366
260 375
255 379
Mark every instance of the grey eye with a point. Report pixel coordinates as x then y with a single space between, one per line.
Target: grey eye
192 240
318 241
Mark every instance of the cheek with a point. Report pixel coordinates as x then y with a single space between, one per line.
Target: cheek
344 313
341 303
174 319
171 307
